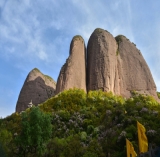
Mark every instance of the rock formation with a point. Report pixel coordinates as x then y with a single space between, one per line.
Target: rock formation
117 66
113 64
37 88
133 71
73 72
102 62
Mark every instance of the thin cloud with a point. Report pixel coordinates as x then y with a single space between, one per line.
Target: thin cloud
22 29
25 29
42 55
106 18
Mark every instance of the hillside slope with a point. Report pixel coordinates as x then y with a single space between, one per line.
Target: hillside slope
88 125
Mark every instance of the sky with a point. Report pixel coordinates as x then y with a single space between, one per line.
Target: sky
37 33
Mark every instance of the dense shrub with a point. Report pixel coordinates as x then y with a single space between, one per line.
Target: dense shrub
88 125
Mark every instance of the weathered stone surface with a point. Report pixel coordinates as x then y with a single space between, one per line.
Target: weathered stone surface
102 62
117 66
37 88
73 72
134 73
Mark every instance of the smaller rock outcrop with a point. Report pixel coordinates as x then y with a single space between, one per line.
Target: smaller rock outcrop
37 88
73 72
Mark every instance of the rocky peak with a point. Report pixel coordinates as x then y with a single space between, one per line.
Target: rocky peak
37 88
115 64
101 61
134 72
73 72
112 64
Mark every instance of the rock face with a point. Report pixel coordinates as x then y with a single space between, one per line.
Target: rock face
113 64
102 62
37 88
134 73
73 72
117 66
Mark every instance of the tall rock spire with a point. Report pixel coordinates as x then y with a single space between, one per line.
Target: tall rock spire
102 62
73 72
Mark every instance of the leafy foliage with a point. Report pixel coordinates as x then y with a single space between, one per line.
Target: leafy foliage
158 94
74 123
36 130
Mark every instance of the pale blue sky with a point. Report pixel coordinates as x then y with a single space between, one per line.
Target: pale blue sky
37 33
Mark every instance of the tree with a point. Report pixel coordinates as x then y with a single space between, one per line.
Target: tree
5 139
74 147
56 147
2 153
36 132
94 150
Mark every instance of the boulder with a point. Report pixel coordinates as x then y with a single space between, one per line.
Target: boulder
73 72
36 89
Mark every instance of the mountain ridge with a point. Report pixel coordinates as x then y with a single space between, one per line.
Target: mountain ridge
107 63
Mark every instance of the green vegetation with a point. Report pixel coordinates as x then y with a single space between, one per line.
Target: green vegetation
36 69
46 76
118 40
158 94
50 78
35 132
77 37
99 30
74 123
134 44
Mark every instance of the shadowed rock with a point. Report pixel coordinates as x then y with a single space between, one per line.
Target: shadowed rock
73 72
37 88
117 66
